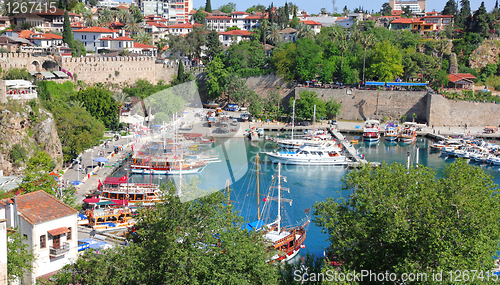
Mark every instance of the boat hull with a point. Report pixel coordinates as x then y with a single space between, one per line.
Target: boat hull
340 160
390 138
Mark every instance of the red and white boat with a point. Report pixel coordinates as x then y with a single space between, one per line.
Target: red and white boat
371 131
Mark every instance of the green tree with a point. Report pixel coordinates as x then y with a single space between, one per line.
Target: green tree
386 9
464 16
214 46
105 17
100 104
366 41
88 18
256 8
17 155
228 8
93 3
304 107
418 223
481 21
208 6
199 17
181 75
183 243
20 258
134 11
451 8
37 175
67 34
386 63
78 49
332 108
14 73
407 12
218 78
143 37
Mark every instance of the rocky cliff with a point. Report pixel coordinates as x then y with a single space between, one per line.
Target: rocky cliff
25 131
487 52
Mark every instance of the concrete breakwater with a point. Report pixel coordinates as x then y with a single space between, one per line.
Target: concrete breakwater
432 109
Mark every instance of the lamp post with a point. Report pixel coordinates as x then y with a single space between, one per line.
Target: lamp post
92 158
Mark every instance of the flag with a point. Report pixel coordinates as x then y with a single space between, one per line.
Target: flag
100 185
124 178
307 211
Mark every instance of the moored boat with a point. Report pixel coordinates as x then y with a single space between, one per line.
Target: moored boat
391 132
371 131
326 153
119 188
408 133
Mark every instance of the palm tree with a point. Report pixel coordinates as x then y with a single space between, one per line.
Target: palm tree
105 18
160 45
366 41
304 31
133 27
143 38
89 19
355 36
343 45
123 16
274 35
121 99
76 104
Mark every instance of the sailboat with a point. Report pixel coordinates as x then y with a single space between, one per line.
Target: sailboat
294 143
286 240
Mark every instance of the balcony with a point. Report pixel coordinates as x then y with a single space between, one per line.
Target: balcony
61 250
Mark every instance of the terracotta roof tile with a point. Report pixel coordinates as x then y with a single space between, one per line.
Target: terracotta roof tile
39 207
237 33
139 45
94 30
58 231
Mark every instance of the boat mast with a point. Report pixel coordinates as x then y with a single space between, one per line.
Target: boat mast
227 182
314 120
258 194
279 197
293 118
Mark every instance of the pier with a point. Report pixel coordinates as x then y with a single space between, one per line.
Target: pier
350 151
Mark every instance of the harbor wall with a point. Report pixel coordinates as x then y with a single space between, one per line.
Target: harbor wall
429 108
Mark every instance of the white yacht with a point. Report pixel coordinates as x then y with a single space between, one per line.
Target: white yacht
327 153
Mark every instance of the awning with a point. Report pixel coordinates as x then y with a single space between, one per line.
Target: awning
120 202
114 181
375 83
60 74
91 200
105 203
405 84
47 74
33 73
58 231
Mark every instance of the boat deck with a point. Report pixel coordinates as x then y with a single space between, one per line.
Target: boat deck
351 152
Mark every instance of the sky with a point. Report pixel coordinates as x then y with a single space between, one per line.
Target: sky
314 6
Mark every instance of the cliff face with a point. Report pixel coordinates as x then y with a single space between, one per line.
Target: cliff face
487 52
21 128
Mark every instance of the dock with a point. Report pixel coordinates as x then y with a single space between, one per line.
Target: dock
351 152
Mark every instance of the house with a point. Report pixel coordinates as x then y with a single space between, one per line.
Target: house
114 44
14 43
143 49
46 40
461 80
29 20
155 27
219 23
77 26
54 19
49 228
182 29
401 24
91 36
253 21
289 35
108 4
238 19
4 22
440 21
315 26
234 36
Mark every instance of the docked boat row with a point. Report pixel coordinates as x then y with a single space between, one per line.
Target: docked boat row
477 151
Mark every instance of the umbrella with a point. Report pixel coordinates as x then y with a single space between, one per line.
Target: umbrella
77 182
101 159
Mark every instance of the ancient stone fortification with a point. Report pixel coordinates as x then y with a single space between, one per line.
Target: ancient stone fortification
430 108
117 69
93 69
263 85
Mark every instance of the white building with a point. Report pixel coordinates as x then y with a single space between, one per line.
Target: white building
219 23
118 43
233 37
91 36
289 35
181 29
49 228
108 4
46 40
173 11
315 26
238 19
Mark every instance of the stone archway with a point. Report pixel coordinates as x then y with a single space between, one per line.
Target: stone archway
49 65
35 65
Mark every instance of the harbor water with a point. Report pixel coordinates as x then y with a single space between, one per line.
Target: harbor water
307 184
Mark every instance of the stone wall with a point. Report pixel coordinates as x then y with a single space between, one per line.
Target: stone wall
20 60
264 84
433 109
117 69
373 104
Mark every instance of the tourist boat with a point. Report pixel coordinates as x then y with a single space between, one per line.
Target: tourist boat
326 153
408 133
210 105
391 132
286 240
244 117
106 219
354 141
118 188
371 131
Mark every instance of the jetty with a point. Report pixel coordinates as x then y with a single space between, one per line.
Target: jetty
351 152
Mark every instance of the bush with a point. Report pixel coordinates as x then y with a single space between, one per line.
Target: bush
17 154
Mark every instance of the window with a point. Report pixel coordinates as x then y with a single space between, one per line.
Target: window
94 37
68 235
43 241
119 44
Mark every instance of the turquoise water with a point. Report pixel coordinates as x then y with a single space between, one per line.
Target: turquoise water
307 184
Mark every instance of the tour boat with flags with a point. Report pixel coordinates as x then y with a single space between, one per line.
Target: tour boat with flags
326 153
391 132
286 240
408 133
119 188
371 131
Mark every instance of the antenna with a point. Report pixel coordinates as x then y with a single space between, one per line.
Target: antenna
334 7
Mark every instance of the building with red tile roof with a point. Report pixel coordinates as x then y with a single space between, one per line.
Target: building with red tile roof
461 80
234 36
182 29
49 227
315 26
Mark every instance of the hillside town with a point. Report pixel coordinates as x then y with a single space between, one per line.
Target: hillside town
130 135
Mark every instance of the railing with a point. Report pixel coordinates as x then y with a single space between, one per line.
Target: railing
58 251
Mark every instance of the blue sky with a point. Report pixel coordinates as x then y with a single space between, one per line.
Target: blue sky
314 6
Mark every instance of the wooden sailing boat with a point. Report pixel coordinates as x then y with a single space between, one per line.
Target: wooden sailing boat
286 240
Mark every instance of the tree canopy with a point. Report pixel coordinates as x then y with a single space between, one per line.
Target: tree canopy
100 104
409 220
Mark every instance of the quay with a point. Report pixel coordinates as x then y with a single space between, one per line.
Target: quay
351 152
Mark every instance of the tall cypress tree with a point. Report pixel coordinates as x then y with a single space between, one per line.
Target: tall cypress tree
181 77
451 8
208 6
287 15
67 34
481 20
464 16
